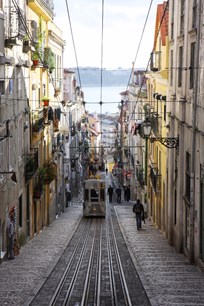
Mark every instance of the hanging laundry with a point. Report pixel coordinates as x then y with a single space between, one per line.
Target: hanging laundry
50 113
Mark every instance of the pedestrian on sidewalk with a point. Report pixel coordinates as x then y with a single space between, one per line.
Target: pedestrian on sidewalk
125 193
128 193
138 209
118 194
110 193
68 195
10 234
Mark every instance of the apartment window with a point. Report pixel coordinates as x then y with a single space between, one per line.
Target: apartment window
20 212
175 206
194 14
192 65
171 67
2 87
188 177
172 20
180 66
164 112
182 17
20 139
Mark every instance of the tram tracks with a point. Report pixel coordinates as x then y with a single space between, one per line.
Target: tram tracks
91 270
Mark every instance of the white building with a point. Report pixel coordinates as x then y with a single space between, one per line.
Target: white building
186 112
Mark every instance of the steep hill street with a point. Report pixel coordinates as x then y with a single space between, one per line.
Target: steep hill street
167 277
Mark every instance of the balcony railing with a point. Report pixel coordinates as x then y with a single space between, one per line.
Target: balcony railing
37 120
15 20
44 7
31 165
140 176
156 125
155 61
155 178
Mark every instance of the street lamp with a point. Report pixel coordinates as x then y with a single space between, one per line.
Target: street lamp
169 142
146 128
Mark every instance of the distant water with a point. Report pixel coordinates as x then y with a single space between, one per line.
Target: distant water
110 97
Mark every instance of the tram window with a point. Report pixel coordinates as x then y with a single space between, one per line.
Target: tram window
94 195
86 194
102 194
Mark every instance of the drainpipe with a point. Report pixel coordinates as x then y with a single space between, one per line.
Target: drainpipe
193 149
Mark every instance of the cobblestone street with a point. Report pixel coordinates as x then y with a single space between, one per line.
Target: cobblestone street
167 276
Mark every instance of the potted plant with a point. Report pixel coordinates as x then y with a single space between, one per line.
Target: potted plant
49 59
46 100
47 173
35 58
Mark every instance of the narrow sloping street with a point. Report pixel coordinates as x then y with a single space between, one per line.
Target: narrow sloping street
167 277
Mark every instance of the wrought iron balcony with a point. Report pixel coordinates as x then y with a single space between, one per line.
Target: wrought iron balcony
155 61
156 123
44 7
155 178
140 176
37 120
15 29
31 165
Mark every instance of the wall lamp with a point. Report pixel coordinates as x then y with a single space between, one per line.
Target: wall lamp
169 142
13 177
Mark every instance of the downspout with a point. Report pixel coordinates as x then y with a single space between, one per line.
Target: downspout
193 148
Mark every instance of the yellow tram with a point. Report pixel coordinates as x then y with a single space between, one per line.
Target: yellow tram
94 204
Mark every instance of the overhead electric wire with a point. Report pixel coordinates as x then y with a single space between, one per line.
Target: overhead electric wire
139 45
75 53
102 28
159 28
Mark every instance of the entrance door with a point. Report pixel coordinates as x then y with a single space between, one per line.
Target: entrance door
28 212
202 213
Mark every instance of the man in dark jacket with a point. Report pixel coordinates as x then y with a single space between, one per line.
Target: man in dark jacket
110 193
118 193
138 209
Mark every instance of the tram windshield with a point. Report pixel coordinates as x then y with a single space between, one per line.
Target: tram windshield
94 195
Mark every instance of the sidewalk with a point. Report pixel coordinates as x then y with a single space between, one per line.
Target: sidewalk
21 278
167 276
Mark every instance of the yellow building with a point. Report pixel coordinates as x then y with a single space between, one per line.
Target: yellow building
156 111
45 189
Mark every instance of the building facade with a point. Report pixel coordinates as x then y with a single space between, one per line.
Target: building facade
185 175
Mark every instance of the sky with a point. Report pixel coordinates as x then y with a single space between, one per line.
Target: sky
123 25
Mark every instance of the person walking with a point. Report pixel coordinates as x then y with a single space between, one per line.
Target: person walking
138 209
10 231
110 193
118 194
128 193
125 193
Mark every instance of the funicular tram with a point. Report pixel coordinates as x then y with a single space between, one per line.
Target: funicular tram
94 204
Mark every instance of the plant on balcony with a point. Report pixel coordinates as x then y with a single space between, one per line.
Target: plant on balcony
49 59
46 100
47 173
30 166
